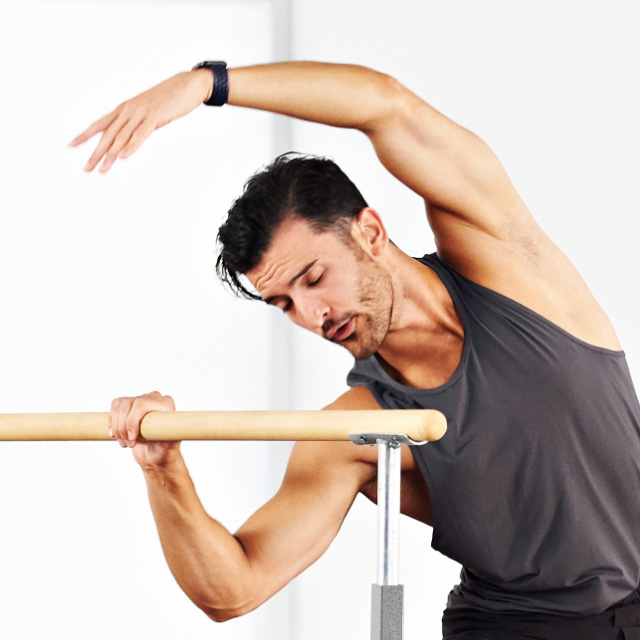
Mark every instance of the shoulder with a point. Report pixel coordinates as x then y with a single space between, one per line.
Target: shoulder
521 262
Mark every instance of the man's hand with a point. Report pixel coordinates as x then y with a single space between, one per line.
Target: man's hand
124 425
130 124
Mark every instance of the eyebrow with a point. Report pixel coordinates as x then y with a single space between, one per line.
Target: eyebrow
304 270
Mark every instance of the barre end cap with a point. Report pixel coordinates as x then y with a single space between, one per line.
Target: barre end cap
434 425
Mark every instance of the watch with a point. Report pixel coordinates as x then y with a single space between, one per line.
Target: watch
220 92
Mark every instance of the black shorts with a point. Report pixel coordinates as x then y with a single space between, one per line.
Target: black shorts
620 622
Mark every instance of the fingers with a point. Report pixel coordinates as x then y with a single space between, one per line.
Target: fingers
126 415
114 138
96 127
128 126
118 128
121 410
108 136
106 125
111 144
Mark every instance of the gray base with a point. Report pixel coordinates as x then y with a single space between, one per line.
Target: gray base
386 612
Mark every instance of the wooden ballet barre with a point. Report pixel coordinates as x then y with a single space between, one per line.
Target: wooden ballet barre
417 424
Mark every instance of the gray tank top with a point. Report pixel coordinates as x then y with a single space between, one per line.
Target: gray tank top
536 484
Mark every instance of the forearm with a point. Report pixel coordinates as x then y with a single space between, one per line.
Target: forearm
208 563
339 95
442 162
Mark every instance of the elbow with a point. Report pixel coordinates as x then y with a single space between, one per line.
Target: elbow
393 89
392 98
223 600
220 615
229 607
225 614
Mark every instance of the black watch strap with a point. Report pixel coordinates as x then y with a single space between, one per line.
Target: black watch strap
220 93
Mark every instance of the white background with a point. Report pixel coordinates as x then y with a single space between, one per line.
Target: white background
107 285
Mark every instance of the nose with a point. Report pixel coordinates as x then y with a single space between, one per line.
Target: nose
312 313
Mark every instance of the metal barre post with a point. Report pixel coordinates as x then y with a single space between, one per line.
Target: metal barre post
387 597
389 475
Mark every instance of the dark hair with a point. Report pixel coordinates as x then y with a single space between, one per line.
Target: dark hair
311 188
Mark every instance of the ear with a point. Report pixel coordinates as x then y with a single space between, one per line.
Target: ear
369 229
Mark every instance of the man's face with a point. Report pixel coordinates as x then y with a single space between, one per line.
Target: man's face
327 285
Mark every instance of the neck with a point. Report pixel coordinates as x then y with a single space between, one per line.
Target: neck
424 343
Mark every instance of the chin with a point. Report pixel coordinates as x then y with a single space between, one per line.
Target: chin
360 351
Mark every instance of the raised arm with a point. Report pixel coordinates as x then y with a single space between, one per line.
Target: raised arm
452 169
482 227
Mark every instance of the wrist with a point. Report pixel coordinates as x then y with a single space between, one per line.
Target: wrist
204 78
165 463
219 92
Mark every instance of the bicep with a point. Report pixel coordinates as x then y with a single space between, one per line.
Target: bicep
297 525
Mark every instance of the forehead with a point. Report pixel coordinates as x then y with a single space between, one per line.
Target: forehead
294 246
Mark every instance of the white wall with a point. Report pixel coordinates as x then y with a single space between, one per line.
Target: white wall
107 289
107 283
551 86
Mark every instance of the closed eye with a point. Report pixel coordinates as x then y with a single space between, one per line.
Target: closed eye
315 282
280 302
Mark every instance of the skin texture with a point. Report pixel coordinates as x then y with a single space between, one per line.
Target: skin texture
344 296
364 294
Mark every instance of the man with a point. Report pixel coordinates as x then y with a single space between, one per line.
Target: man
534 489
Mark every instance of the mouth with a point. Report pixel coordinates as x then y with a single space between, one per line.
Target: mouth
342 331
